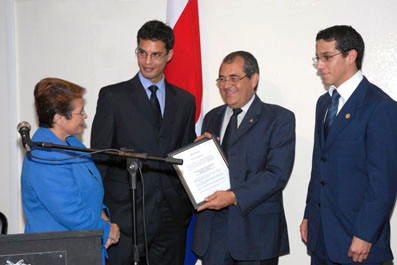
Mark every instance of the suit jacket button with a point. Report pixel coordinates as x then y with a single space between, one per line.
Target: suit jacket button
319 205
323 183
323 159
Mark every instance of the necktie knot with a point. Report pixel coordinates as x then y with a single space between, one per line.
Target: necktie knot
335 96
236 112
153 89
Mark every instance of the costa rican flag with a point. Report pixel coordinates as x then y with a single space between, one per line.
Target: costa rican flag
184 70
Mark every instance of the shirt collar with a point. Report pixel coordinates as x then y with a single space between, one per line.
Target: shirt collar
146 83
347 88
245 107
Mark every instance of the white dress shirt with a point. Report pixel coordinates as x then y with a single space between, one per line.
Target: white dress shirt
240 117
346 89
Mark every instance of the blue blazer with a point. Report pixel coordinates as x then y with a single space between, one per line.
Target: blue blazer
260 163
354 175
61 195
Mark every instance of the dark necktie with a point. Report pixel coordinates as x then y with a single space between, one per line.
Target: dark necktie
230 131
332 110
155 106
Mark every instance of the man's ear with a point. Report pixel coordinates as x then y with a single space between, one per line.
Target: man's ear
170 54
254 80
352 56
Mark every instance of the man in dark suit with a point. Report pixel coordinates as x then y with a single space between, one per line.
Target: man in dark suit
149 115
353 182
246 225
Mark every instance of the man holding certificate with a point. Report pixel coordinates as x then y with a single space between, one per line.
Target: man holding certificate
246 224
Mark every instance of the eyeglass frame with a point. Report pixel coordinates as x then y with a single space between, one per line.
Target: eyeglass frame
141 53
324 58
81 113
232 79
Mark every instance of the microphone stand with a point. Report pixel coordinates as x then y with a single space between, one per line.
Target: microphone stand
133 166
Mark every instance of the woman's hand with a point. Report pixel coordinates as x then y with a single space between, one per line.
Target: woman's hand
114 235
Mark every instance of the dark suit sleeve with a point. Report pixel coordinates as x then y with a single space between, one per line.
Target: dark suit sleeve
315 170
204 126
277 169
102 127
379 199
190 134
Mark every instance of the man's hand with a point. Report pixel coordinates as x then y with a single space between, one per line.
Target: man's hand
206 134
303 228
359 249
218 200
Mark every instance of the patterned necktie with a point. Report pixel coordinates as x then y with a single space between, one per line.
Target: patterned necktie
230 131
155 106
332 110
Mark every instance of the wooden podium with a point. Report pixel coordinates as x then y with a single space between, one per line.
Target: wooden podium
81 247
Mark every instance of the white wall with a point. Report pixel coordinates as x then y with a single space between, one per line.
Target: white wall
4 179
9 180
92 42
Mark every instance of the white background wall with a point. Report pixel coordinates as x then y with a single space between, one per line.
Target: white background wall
92 43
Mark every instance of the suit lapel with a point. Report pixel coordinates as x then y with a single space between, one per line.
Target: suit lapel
215 124
320 119
348 112
140 101
250 119
170 109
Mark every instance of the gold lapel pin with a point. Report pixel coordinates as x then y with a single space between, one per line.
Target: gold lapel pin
347 116
251 120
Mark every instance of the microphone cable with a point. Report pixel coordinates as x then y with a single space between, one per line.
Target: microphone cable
74 157
143 217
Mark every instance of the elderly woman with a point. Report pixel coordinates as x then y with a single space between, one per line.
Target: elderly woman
67 194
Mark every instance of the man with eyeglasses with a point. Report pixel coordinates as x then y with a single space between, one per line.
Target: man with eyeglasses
149 115
246 225
354 173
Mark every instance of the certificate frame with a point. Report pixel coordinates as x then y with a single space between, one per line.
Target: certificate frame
197 181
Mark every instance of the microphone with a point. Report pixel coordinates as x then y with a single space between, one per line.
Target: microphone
24 129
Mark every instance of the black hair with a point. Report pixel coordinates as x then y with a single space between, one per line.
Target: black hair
156 30
250 63
347 38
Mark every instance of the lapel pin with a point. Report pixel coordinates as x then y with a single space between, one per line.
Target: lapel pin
251 120
347 116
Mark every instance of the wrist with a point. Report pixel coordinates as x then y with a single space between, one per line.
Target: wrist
234 199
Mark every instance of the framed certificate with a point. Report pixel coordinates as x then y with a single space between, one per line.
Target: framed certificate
204 169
